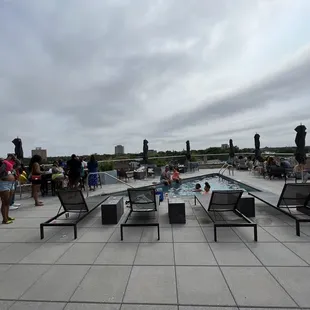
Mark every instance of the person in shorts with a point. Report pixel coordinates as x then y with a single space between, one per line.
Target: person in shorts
16 167
36 173
7 184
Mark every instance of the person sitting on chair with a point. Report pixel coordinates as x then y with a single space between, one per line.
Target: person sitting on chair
58 175
166 176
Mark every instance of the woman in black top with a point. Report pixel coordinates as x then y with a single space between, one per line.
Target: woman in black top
74 171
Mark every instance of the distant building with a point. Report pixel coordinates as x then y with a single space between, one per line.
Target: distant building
119 150
225 146
41 152
152 152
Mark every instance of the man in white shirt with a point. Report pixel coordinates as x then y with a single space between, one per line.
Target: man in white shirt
84 163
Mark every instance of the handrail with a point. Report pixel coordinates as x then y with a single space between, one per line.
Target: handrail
225 167
103 172
228 167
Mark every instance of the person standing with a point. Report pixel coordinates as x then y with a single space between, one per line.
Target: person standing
74 171
16 166
92 166
84 163
7 182
36 178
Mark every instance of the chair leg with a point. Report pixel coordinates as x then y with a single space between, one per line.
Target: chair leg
122 233
158 232
215 234
255 233
298 228
75 231
42 231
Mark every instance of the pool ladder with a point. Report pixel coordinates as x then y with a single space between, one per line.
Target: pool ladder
225 167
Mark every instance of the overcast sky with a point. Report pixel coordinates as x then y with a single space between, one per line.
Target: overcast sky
80 76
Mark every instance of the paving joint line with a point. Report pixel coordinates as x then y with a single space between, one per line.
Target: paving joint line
131 269
266 268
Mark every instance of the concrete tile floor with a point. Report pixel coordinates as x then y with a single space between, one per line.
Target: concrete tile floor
185 270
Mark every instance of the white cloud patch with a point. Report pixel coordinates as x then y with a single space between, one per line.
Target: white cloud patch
78 76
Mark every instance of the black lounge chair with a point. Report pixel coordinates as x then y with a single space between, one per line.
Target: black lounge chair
141 201
221 207
73 203
293 201
276 172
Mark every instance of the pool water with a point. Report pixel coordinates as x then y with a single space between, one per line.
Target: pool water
187 186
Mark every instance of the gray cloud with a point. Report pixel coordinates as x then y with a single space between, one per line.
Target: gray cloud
81 77
293 82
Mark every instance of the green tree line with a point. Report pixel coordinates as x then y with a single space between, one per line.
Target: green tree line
155 158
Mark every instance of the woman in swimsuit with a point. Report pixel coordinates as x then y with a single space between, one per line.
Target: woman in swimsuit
36 173
176 176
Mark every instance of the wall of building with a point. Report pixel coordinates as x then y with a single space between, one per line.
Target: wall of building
40 152
119 150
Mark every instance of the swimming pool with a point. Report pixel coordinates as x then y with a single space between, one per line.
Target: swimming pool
187 186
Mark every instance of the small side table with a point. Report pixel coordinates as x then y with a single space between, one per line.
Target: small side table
176 211
112 210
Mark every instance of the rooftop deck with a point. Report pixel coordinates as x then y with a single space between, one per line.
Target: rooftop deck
185 270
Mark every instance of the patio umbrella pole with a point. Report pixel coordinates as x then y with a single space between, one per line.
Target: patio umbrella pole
231 155
300 154
18 149
188 155
257 152
145 151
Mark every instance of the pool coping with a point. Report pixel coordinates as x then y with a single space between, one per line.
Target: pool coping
215 174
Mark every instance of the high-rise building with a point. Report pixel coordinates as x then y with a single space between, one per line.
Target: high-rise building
41 152
225 146
119 150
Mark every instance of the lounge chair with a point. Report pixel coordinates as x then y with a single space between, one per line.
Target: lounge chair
150 172
141 201
72 203
276 172
293 201
221 207
242 165
193 166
